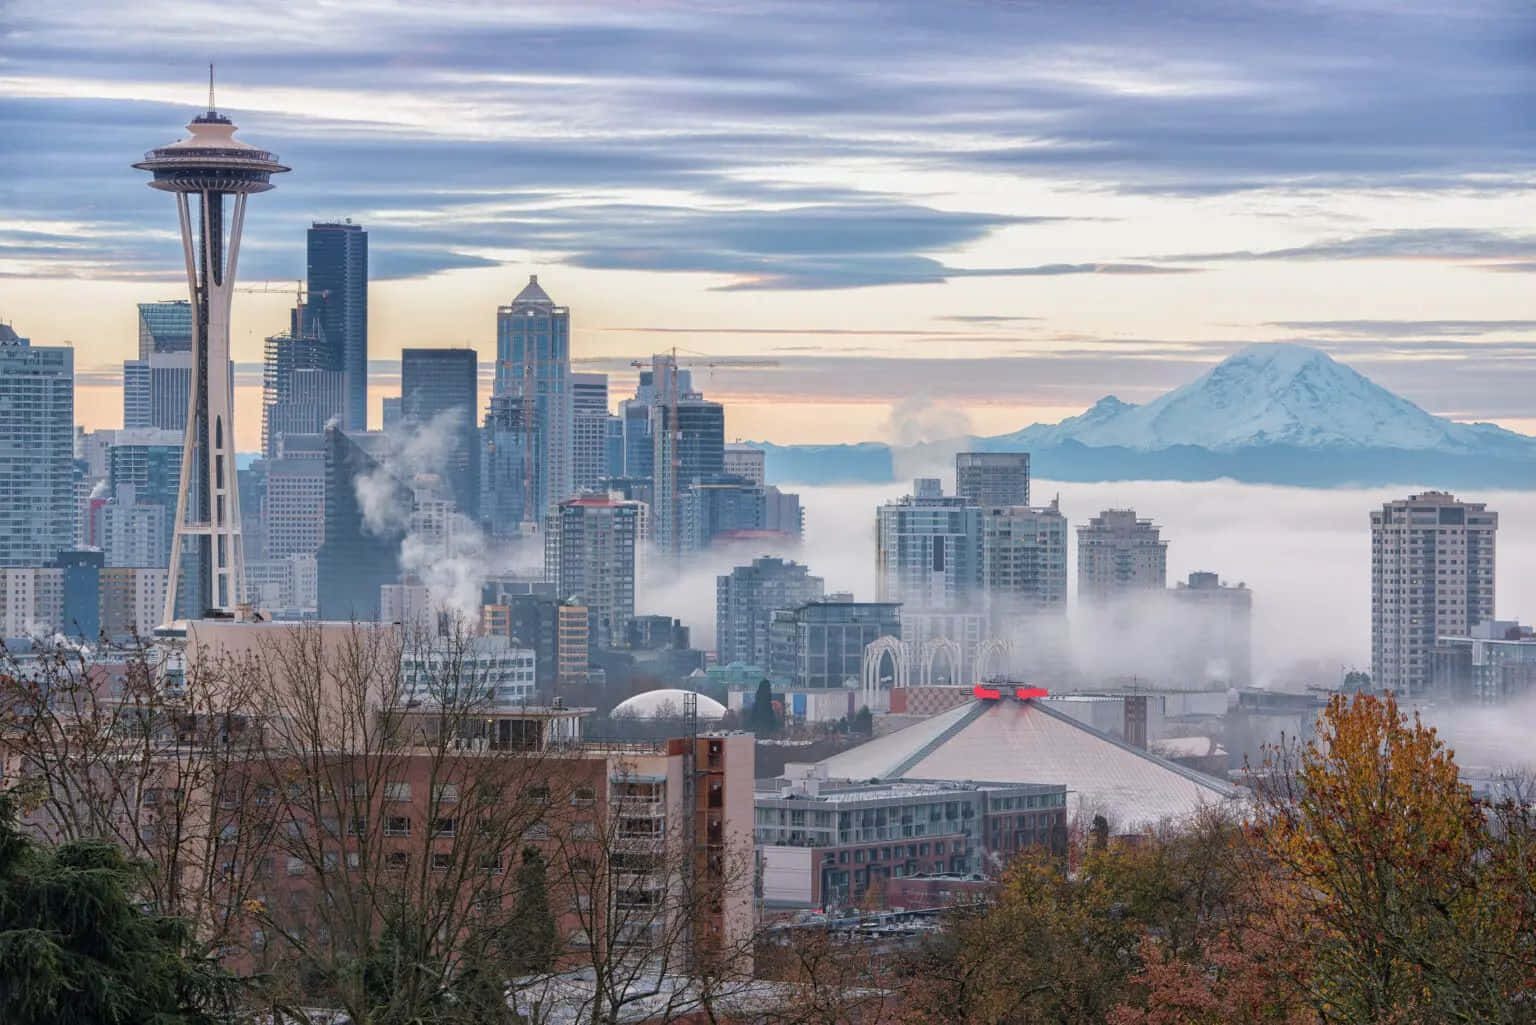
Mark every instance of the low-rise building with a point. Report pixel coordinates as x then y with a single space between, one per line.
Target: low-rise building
825 843
1494 664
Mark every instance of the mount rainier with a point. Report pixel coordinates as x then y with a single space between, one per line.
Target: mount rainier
1272 413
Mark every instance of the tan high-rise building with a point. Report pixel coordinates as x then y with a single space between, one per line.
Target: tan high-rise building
1117 555
1432 565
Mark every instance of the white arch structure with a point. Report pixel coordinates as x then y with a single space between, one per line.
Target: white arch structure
875 652
989 658
931 652
988 654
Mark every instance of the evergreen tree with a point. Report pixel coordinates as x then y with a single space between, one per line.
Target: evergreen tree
76 947
863 722
762 720
531 937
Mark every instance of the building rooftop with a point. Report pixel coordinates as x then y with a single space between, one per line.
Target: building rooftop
533 294
1028 742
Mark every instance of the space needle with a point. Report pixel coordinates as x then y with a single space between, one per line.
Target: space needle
202 171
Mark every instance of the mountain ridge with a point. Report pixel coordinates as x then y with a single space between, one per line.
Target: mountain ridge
1273 412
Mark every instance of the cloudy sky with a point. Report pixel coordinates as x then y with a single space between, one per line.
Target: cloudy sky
979 213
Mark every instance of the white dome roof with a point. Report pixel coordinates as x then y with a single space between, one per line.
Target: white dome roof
667 703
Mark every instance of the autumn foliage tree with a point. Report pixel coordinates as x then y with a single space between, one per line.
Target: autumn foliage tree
1412 908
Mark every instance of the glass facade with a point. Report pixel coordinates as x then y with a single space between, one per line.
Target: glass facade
533 360
338 292
165 327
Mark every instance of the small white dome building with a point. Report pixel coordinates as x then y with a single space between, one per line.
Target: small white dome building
667 703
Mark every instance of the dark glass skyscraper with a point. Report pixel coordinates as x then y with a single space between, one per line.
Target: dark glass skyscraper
354 561
442 383
338 291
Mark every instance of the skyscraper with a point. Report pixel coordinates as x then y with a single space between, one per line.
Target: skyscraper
440 386
533 361
360 553
165 327
592 554
509 444
929 553
1432 572
746 599
589 430
303 384
1118 555
746 461
156 385
1215 622
210 165
993 478
37 447
338 291
1024 562
688 443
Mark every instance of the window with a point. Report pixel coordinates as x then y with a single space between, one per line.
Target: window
295 866
354 859
397 792
490 862
398 825
583 796
583 831
397 860
441 860
537 793
444 827
445 793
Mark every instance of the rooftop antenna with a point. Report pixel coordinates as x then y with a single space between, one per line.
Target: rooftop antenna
211 107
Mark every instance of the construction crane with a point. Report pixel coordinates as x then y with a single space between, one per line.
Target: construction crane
267 287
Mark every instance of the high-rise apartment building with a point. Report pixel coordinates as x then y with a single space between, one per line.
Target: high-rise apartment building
37 449
132 601
929 551
130 533
31 601
165 327
338 293
1024 562
993 478
1214 632
589 430
1432 572
592 553
148 461
1119 555
746 599
533 361
439 386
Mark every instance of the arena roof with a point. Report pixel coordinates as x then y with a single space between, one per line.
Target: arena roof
1012 741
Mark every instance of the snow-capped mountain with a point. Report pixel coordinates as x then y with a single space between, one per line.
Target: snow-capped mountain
1272 393
1272 413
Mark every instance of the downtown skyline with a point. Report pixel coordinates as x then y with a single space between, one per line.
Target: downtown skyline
1024 210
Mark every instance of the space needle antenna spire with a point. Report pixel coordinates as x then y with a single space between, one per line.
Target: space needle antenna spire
202 172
